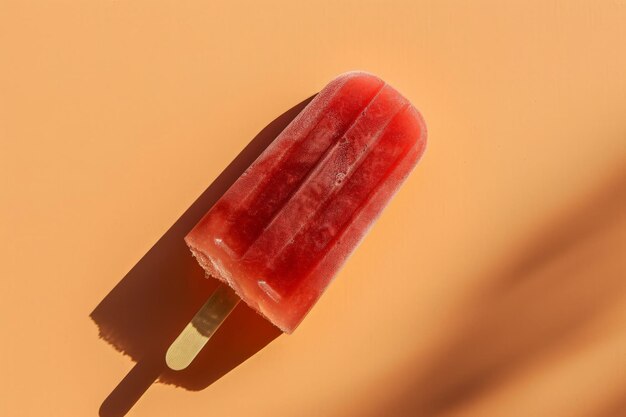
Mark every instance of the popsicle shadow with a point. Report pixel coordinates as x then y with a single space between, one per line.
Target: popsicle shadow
147 309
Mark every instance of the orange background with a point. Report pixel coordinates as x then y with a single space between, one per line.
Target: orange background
493 285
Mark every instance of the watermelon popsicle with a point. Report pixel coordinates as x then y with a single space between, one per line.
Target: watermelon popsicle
279 235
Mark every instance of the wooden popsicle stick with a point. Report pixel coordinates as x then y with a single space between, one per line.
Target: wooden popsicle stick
200 329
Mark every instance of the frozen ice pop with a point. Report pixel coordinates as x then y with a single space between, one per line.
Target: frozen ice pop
279 235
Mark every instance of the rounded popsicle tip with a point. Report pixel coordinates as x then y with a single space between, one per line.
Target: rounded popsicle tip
421 129
413 121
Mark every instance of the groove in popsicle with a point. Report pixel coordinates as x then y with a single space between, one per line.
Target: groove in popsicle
281 263
319 165
241 225
324 167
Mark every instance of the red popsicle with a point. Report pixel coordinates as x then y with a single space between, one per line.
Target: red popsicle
281 232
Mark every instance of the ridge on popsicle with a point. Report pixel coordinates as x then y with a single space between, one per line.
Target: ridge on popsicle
282 231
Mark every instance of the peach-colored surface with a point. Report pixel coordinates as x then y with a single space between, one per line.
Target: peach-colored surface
493 285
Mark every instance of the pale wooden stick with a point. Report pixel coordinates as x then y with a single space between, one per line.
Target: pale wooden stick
198 332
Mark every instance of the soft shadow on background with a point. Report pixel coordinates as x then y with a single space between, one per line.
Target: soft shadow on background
149 307
562 281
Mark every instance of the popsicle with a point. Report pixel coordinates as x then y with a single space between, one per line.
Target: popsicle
279 235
